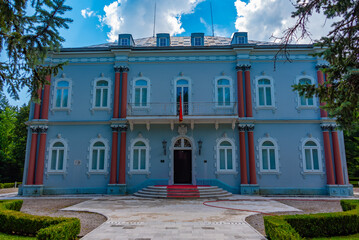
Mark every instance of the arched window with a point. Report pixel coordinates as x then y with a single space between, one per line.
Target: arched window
98 156
268 154
265 94
312 156
225 156
139 156
303 100
57 157
62 94
141 93
101 94
223 92
182 89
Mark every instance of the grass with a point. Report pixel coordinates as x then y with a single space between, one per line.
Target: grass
355 236
4 236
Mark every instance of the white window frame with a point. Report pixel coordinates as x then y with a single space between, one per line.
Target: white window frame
124 42
315 104
320 160
134 92
196 43
230 92
218 147
90 152
54 107
105 148
132 149
163 44
189 94
108 80
271 85
65 148
276 155
241 39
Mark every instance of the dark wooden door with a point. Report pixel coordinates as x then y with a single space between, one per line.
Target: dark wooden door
183 166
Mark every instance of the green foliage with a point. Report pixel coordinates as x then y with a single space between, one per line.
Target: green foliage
4 236
352 153
9 185
340 48
29 31
14 222
315 225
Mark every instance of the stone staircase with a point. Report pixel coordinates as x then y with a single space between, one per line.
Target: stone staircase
183 191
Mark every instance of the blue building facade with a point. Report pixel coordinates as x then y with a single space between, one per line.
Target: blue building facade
109 124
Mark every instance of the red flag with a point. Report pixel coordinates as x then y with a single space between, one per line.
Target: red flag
180 109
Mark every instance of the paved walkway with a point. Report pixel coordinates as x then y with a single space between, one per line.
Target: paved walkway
160 219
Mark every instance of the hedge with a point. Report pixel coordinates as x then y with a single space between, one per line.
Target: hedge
9 185
13 221
295 227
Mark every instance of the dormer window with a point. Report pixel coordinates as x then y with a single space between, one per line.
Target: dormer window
125 39
163 42
241 40
197 41
124 42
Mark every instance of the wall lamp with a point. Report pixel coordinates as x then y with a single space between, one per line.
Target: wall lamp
199 146
164 145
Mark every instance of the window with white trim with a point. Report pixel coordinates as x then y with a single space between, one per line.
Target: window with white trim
141 93
98 156
268 155
62 93
182 89
223 92
311 156
225 156
57 157
163 42
139 156
101 97
241 40
197 41
303 100
124 42
265 93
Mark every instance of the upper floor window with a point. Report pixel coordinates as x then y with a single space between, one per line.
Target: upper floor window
241 40
303 100
141 93
62 94
223 92
265 93
163 42
268 154
225 156
312 156
98 157
101 94
198 41
124 42
139 156
57 156
182 89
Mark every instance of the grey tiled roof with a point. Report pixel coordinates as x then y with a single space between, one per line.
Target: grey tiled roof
182 42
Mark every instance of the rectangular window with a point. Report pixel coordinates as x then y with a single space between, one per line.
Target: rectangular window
60 160
269 96
98 98
198 41
241 40
308 159
265 159
222 164
163 42
229 159
143 159
272 159
102 160
104 98
124 42
94 159
53 159
135 159
144 97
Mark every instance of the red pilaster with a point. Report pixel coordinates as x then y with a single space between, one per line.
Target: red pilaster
328 158
247 79
252 164
113 172
243 157
32 160
41 160
337 160
124 95
116 100
320 77
38 105
46 99
240 93
122 173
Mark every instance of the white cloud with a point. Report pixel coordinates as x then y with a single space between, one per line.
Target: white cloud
87 13
136 17
264 18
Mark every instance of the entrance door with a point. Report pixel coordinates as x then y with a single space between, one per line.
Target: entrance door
182 166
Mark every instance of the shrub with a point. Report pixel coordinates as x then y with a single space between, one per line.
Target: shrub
9 185
315 225
14 222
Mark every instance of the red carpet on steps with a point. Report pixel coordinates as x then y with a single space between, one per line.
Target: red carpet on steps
182 191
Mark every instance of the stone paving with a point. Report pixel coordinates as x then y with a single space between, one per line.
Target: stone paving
135 218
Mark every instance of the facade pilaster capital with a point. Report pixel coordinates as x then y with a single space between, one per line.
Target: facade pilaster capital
114 127
123 128
245 127
243 67
321 66
42 129
328 126
117 69
125 69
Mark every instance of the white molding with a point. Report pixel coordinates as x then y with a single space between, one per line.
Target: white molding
276 152
54 95
303 141
231 92
315 99
93 93
133 94
256 93
189 93
49 156
90 150
145 171
217 158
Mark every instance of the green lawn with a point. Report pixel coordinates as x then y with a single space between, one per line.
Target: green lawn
4 236
355 236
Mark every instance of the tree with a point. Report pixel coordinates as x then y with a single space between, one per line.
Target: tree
27 39
340 49
352 151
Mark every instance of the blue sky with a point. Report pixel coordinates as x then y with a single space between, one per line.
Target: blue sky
100 21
